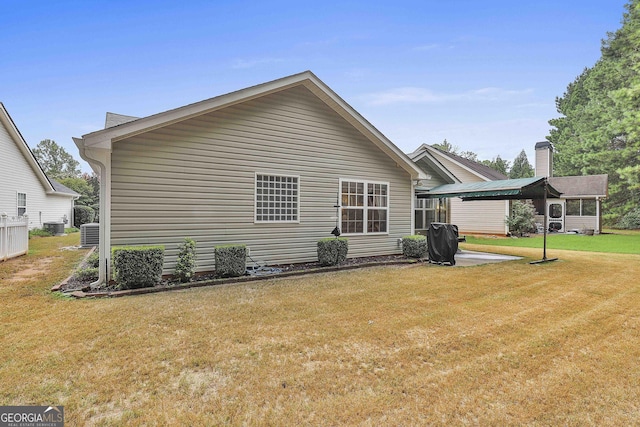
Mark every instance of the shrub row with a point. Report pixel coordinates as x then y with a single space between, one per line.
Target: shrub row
137 266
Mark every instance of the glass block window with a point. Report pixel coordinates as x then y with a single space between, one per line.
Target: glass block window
22 204
277 198
365 207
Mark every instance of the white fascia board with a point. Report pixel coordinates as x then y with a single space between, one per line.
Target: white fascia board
15 134
416 157
479 175
106 137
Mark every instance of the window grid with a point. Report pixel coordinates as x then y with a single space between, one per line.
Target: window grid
363 215
277 198
22 204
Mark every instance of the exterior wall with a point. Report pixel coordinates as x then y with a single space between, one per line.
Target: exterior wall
479 217
17 176
574 222
197 179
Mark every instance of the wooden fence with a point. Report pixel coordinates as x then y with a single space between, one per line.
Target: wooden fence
14 236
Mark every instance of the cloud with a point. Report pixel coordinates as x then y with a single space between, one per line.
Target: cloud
417 95
251 63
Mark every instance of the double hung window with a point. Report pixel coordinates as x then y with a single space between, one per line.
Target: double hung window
365 207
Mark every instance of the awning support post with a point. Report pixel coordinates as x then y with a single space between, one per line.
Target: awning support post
544 244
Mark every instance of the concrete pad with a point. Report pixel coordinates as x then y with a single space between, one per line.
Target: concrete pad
469 258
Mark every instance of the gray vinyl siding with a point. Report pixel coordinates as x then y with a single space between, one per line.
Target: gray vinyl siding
435 179
575 222
197 179
17 176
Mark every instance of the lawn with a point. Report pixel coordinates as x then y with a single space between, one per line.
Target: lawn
499 344
627 242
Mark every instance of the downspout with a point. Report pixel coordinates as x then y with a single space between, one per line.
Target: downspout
103 250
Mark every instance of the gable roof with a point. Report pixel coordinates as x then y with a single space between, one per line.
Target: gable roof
63 189
581 186
480 169
106 137
114 119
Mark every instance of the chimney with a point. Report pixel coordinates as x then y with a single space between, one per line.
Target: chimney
544 159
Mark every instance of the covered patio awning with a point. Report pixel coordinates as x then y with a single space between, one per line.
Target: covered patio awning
507 189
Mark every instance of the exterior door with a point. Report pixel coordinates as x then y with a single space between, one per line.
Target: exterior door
555 218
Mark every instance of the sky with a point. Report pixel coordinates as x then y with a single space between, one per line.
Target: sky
482 75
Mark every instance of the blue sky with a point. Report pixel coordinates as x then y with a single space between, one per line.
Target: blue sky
483 75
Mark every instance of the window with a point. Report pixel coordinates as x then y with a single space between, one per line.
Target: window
365 207
581 207
22 204
277 198
429 210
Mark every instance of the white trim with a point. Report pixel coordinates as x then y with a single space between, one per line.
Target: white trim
365 208
255 198
18 193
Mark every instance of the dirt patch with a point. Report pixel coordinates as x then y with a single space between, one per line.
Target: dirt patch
40 267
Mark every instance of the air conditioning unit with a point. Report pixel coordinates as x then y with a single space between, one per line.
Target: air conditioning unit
89 235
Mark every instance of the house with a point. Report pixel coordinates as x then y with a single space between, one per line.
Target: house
477 217
25 189
274 166
579 206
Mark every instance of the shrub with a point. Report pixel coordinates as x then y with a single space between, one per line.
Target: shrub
82 215
631 221
93 260
230 260
87 273
522 218
414 246
137 266
332 251
186 264
39 232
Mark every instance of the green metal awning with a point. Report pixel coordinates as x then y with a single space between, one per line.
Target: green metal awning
507 189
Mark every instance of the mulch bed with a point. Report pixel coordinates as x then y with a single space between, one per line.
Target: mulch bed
82 289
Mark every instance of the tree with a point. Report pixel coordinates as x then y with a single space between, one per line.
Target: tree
521 167
498 165
55 160
82 187
446 146
599 128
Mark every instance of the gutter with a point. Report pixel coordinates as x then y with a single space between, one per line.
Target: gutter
96 164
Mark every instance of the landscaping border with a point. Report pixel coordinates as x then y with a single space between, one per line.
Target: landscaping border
244 279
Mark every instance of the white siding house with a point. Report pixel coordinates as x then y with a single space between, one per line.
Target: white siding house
24 187
263 166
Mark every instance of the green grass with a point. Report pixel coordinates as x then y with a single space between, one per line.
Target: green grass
614 242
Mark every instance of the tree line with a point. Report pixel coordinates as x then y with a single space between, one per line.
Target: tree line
519 168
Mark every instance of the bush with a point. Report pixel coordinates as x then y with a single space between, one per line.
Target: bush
186 264
522 218
137 266
82 215
414 246
93 260
332 251
87 273
39 232
631 221
231 260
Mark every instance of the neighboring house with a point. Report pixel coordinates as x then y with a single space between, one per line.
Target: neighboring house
24 187
579 207
263 166
477 217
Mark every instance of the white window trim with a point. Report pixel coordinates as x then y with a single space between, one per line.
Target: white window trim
255 198
26 202
365 208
